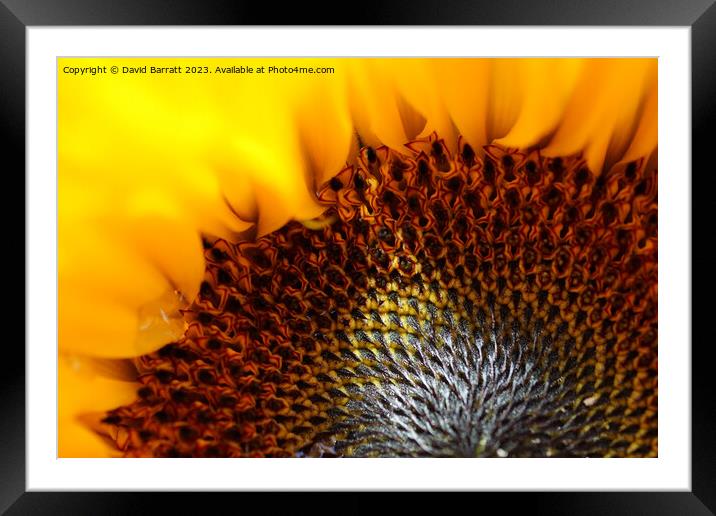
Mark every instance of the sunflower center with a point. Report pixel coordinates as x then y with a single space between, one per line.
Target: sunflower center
450 306
443 372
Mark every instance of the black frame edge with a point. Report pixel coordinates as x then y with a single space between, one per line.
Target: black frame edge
12 379
553 504
703 404
368 12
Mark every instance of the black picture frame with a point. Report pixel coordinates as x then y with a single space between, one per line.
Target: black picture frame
700 15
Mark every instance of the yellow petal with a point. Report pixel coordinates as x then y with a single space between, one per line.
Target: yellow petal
280 186
417 84
374 103
121 134
646 135
507 92
323 120
464 86
82 390
122 283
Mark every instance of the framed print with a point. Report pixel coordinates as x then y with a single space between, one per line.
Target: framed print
252 248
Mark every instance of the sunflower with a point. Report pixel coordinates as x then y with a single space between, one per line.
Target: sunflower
358 257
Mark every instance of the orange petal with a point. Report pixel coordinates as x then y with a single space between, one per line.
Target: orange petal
546 87
602 111
82 390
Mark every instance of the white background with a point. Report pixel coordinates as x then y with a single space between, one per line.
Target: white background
670 471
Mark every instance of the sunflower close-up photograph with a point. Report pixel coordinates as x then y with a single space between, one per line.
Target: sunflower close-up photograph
357 257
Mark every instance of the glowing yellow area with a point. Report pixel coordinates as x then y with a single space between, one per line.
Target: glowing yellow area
149 162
